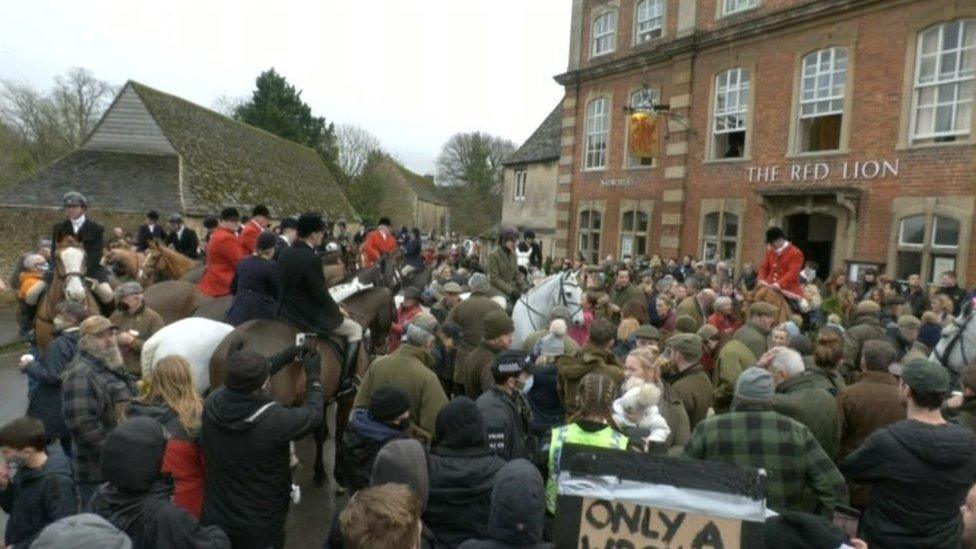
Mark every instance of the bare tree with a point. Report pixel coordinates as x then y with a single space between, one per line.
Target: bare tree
80 99
356 145
472 165
227 104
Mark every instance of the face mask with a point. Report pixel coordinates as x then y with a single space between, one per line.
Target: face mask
16 463
526 385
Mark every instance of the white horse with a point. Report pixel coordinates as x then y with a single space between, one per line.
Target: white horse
532 310
192 338
957 348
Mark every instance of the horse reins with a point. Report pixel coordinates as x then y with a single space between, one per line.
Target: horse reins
562 301
957 338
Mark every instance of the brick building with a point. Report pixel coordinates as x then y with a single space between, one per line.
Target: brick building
848 123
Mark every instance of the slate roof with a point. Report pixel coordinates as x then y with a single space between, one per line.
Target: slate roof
111 180
544 143
224 163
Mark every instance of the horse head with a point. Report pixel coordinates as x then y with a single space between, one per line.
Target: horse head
572 296
70 268
150 265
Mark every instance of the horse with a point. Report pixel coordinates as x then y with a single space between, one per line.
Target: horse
194 339
372 308
531 311
771 296
128 259
163 263
957 348
68 283
175 299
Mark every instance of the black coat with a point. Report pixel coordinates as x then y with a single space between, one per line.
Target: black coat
363 439
255 289
305 300
146 234
38 497
413 254
517 510
92 238
187 244
461 480
45 402
919 476
245 446
508 424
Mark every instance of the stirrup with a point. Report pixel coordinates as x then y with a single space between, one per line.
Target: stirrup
348 387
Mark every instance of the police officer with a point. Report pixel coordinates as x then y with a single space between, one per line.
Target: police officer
507 414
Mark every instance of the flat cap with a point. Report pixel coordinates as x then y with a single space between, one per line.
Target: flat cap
95 325
761 308
689 345
925 376
909 322
647 331
686 324
452 288
707 332
868 307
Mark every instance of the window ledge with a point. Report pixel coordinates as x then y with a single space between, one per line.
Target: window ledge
640 168
815 154
722 15
603 54
920 146
727 160
650 41
594 170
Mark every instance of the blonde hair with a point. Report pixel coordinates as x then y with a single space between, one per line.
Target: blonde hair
387 515
647 357
171 383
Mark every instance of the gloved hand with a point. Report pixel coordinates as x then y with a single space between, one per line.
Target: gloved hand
313 367
289 355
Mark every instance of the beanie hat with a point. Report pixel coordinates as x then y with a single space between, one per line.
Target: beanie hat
387 403
246 372
81 532
755 385
133 454
459 425
929 335
497 323
552 345
686 324
402 461
266 240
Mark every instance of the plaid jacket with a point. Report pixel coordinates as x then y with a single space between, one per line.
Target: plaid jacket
93 397
800 476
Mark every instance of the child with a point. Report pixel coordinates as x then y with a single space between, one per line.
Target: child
637 415
41 490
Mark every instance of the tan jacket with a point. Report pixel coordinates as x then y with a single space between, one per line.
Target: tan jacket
146 322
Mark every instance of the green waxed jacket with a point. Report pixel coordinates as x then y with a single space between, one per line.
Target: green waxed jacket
733 359
503 271
803 400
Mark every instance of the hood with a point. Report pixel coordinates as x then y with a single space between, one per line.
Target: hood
940 446
234 410
163 414
402 462
460 425
574 369
518 504
370 429
125 509
57 462
133 454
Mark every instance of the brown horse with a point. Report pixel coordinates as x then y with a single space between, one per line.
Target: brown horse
372 308
68 283
175 299
129 259
162 264
774 298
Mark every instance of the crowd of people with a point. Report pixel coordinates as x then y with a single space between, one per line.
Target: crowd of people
457 430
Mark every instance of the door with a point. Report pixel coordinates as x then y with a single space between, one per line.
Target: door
814 234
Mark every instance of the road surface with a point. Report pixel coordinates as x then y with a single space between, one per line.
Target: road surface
308 522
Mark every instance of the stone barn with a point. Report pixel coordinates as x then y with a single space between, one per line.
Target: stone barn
407 198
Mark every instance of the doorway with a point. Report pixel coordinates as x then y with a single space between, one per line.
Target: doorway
814 234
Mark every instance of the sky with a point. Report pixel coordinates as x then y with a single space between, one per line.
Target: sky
412 72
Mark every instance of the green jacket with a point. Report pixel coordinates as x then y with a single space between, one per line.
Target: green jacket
828 380
689 306
695 391
570 370
964 415
800 475
732 360
623 296
754 338
475 373
801 399
585 435
470 316
409 369
503 271
865 328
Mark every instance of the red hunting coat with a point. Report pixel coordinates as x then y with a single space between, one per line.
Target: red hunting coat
376 245
249 236
783 269
223 253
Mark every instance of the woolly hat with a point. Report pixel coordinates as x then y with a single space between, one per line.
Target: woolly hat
497 323
560 311
133 454
402 461
246 372
686 324
81 532
387 403
552 345
755 385
459 425
929 335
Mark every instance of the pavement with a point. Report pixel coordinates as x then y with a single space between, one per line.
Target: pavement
308 522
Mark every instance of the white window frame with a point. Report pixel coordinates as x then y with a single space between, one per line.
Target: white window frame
836 82
928 250
739 112
631 161
597 127
720 238
730 7
593 234
604 28
957 79
634 231
518 194
648 20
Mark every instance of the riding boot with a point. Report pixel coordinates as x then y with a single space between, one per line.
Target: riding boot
348 384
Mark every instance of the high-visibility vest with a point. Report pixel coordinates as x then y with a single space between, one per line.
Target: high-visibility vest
574 434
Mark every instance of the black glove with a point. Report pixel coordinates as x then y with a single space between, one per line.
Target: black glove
515 295
313 367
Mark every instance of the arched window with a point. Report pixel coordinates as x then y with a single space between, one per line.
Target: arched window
720 231
604 33
822 86
590 222
928 245
945 81
633 234
730 113
649 20
597 126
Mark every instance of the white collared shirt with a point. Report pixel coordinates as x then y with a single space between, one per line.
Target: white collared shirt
77 223
179 233
781 249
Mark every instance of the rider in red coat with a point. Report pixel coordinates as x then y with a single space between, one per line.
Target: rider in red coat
257 225
782 265
223 253
378 242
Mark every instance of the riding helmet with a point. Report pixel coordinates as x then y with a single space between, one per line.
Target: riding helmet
74 198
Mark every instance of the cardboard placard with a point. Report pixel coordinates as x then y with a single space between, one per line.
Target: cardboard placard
620 524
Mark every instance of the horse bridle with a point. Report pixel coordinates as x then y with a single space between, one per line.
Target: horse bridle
562 301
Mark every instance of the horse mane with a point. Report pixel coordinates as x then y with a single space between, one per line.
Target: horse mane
128 258
177 263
